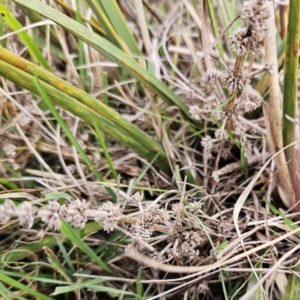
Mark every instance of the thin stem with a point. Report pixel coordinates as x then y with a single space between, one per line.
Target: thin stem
272 112
290 89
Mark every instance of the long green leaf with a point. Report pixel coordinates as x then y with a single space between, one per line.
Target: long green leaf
293 287
71 234
22 287
110 51
117 20
258 294
112 123
94 285
290 88
24 251
69 134
24 36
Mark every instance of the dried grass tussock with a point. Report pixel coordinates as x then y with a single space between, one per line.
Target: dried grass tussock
167 183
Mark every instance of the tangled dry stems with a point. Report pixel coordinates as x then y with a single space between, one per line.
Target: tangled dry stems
168 231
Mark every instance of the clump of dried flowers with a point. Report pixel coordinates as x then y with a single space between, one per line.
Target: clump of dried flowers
232 93
148 223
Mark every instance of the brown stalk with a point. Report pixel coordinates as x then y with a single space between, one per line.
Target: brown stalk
272 113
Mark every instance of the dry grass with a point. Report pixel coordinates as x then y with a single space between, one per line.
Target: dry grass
206 230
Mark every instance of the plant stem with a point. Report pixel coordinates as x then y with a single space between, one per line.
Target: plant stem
272 112
290 92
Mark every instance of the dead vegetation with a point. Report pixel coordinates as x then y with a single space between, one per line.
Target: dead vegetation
214 227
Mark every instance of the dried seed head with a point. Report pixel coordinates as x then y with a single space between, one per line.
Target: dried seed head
107 215
210 77
206 142
7 210
140 232
156 215
195 112
240 128
243 41
251 99
10 150
232 81
51 216
26 214
226 153
256 12
211 103
221 134
75 213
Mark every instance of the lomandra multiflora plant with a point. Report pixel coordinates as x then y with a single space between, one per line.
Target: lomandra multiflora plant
231 97
232 94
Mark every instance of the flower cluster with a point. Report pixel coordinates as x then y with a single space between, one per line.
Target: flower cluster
243 41
75 212
249 39
255 12
230 86
150 224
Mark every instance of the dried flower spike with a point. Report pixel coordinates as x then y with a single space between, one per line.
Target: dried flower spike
26 214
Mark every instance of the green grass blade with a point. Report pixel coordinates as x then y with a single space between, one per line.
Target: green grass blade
41 277
95 285
258 294
65 255
70 136
9 184
56 265
105 151
110 51
71 234
108 120
105 98
81 55
117 20
286 220
139 285
2 23
26 250
22 287
35 18
290 85
109 30
111 122
293 287
5 293
24 36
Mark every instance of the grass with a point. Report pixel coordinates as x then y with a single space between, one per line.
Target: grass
122 129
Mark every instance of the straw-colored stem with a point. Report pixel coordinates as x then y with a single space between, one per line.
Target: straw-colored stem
272 112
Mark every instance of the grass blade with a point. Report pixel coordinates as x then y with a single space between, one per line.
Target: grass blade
59 91
24 36
293 287
105 151
108 120
71 234
23 287
70 136
117 20
290 90
110 51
